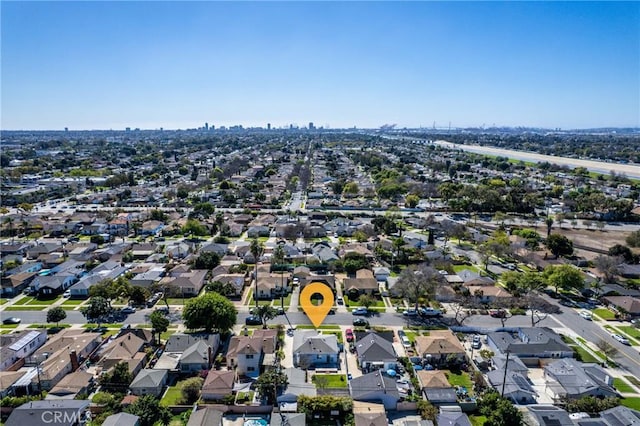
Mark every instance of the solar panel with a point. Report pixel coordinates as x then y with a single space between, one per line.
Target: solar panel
24 340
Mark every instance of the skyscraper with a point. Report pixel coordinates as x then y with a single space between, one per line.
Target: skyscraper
268 126
206 127
311 126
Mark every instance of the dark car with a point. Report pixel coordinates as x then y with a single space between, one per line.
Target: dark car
253 320
359 322
11 320
499 313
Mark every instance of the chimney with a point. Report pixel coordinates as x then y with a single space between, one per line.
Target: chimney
210 353
74 361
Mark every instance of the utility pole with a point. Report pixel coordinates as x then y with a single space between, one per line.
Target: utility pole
504 378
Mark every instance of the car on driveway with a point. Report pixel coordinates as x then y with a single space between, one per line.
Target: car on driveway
621 339
11 320
359 322
128 310
340 301
360 311
498 313
410 313
349 334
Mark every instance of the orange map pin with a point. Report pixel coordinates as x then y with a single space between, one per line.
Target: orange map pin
316 313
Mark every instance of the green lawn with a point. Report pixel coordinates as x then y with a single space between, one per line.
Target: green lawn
333 380
338 334
461 379
3 301
631 403
174 301
604 314
172 396
8 325
73 302
622 386
24 300
633 380
460 268
477 420
411 335
583 354
25 308
52 325
348 303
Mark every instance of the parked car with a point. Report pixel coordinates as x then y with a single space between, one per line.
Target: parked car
280 311
359 322
360 311
340 301
476 344
586 315
498 313
410 313
349 334
349 376
128 310
253 320
11 320
67 293
621 339
427 311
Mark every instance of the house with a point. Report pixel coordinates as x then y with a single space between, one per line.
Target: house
50 285
206 416
73 384
121 419
15 284
313 350
375 352
569 378
67 412
530 344
188 284
288 419
236 280
620 415
375 387
363 283
516 385
439 346
381 273
488 293
149 382
329 280
549 415
127 348
245 355
218 384
366 414
16 346
629 271
452 416
218 248
624 304
324 253
258 231
151 227
189 352
7 381
272 286
436 388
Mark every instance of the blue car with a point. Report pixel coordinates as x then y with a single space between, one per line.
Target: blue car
360 311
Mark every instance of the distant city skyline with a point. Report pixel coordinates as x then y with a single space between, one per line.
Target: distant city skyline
179 65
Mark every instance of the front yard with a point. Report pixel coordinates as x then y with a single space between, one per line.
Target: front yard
622 386
331 380
604 313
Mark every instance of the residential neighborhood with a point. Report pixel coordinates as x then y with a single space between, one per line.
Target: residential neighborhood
146 284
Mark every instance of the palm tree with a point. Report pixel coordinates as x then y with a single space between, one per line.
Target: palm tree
278 259
256 250
9 222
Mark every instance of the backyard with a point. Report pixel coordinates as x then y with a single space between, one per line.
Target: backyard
332 380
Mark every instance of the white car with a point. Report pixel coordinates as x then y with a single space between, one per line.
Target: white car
586 315
67 293
621 339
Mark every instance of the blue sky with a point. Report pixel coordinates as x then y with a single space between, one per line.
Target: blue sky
101 65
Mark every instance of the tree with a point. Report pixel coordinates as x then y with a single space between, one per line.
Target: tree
633 239
211 312
256 250
270 383
56 314
416 283
159 322
266 313
608 266
139 294
624 252
190 390
207 260
549 222
95 309
564 277
150 411
366 301
118 380
350 189
226 289
499 411
427 410
607 349
559 245
411 200
321 381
